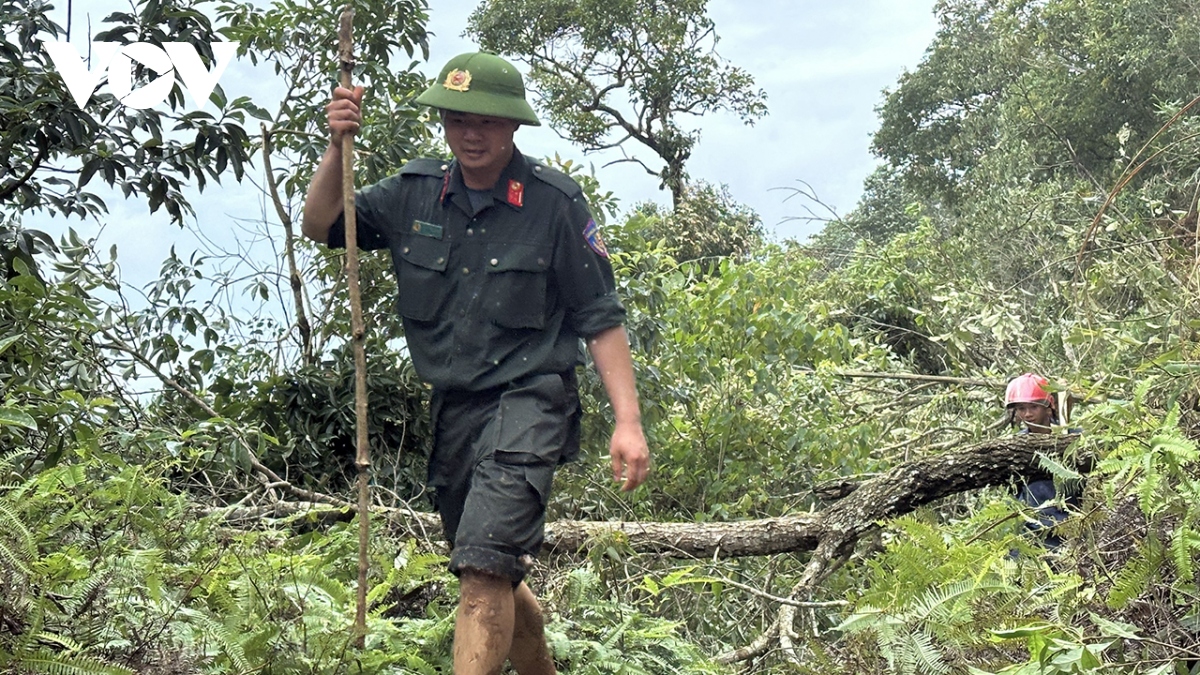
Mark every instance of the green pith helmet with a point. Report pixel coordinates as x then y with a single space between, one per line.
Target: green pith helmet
483 84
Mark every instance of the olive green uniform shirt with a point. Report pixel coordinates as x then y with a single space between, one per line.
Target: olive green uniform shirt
491 296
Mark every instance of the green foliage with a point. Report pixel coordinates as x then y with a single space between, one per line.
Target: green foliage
123 575
606 636
310 414
388 36
127 577
932 596
762 369
705 224
152 153
601 203
1067 86
725 446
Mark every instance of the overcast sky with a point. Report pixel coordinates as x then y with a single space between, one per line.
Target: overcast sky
823 66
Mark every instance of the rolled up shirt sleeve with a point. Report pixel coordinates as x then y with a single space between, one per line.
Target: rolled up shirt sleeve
585 275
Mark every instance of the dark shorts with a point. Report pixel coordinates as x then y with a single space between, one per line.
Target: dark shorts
492 465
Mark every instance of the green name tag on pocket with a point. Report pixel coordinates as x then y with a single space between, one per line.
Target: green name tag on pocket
427 229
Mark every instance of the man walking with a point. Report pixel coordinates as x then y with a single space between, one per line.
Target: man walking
501 273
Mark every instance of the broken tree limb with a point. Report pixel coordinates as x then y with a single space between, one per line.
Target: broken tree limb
892 493
964 381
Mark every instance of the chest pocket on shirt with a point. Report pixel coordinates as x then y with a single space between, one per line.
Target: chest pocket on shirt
515 293
420 269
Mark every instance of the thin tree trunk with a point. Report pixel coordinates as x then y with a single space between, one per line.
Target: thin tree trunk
289 249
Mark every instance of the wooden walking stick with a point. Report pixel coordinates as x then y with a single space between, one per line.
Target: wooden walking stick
362 458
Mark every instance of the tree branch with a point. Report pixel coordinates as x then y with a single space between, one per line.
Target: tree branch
12 187
289 247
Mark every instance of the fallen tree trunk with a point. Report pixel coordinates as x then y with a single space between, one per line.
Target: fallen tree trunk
900 490
895 492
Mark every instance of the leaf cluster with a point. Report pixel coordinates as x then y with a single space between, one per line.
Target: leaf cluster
52 150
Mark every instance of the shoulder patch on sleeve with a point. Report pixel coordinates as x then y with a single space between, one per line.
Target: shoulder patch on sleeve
591 234
559 180
424 167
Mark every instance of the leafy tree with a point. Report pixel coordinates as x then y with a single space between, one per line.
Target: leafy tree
52 150
1069 87
707 224
933 124
606 72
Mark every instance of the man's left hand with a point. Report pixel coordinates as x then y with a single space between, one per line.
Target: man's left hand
630 455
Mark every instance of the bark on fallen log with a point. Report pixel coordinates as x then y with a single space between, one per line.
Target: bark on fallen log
900 490
895 492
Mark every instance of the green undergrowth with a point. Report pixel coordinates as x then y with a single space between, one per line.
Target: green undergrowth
105 568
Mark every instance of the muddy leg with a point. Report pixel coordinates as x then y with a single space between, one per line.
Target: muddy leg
529 655
483 629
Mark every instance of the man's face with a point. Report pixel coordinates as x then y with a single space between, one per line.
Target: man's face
482 144
1037 417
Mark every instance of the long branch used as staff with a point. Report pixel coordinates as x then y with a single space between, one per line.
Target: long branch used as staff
362 458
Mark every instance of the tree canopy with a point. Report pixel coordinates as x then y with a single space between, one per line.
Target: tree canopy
605 73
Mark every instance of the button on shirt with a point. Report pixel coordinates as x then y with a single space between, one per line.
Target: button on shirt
490 294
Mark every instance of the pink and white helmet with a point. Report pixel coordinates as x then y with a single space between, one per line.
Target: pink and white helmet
1028 388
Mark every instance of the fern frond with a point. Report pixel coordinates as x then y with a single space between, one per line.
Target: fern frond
65 642
1141 391
866 618
221 634
926 656
1173 446
218 593
580 582
1135 577
8 460
84 593
1184 542
618 632
13 557
934 603
11 523
44 662
899 655
309 581
1059 471
1148 494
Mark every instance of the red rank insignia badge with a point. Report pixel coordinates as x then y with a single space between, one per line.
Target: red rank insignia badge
516 193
